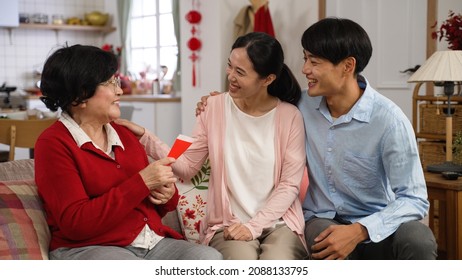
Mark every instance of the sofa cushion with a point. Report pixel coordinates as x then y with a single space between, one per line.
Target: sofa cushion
192 203
24 233
21 169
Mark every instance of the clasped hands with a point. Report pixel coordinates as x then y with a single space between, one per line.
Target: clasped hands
237 232
158 176
160 180
162 194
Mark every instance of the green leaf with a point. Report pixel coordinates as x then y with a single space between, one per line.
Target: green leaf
195 181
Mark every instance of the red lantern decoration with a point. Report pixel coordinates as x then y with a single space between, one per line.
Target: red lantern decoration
194 17
194 44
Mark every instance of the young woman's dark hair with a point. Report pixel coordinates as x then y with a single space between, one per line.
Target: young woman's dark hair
267 57
335 39
71 74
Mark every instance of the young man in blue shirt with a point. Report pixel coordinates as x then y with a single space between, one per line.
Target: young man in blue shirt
367 190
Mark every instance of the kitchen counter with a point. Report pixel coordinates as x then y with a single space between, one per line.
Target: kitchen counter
150 98
133 98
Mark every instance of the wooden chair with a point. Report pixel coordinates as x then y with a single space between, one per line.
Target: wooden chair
22 133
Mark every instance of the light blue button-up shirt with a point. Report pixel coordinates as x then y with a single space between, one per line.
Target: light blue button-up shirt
363 166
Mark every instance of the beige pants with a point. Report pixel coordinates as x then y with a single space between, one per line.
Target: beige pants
278 243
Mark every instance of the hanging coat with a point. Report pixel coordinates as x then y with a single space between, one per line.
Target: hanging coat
263 22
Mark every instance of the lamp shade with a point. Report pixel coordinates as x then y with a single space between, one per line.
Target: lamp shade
442 66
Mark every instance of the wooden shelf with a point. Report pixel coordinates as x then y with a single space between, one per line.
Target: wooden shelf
442 98
61 27
58 27
431 136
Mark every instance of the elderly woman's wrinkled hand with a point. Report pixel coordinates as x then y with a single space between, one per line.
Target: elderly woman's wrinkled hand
158 174
162 194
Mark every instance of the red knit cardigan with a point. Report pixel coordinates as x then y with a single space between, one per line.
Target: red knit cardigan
92 199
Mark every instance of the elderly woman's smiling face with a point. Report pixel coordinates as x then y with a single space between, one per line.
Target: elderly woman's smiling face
104 104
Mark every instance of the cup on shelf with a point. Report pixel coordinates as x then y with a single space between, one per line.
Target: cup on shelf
40 18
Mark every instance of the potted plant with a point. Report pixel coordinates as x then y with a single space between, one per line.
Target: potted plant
457 148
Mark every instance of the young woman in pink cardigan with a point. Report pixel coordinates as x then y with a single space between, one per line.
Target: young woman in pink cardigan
254 138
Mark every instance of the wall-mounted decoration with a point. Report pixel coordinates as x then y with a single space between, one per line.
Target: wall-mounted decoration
194 43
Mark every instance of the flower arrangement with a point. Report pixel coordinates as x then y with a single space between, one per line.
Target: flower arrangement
451 30
125 81
110 48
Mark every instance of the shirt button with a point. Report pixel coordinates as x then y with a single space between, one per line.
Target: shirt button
145 219
329 149
340 208
378 236
118 165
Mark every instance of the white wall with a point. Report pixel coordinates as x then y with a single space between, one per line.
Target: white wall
29 48
290 18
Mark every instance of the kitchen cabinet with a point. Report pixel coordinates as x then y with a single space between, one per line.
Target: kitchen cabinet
34 102
9 12
160 115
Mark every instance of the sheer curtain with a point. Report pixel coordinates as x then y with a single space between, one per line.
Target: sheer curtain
176 21
124 10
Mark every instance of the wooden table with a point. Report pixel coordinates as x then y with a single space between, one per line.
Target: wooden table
445 215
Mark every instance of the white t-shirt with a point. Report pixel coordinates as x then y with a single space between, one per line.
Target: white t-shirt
249 159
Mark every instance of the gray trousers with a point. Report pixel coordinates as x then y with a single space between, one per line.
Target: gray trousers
279 243
166 249
411 241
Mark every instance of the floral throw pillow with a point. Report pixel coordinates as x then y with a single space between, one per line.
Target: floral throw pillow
193 202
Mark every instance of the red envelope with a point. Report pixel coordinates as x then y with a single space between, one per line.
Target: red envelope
181 144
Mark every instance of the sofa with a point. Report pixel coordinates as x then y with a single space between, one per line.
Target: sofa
24 233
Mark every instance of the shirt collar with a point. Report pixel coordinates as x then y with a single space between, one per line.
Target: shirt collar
81 137
361 110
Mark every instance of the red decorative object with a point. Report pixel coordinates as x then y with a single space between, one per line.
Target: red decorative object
125 82
263 21
194 44
451 31
194 17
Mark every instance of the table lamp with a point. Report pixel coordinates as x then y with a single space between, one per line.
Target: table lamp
443 68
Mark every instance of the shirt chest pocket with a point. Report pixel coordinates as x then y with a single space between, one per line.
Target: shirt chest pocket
361 172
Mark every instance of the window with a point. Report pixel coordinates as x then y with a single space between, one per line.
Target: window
153 44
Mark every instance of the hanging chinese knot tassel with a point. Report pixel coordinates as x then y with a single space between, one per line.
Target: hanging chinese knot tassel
194 44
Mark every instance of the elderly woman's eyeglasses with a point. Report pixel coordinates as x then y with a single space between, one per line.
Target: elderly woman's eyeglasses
114 82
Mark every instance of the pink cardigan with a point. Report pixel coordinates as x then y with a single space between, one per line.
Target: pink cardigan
209 135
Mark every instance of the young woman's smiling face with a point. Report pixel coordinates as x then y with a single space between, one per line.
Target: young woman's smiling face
243 80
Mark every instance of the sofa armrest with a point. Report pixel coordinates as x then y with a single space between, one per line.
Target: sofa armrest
172 220
16 170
